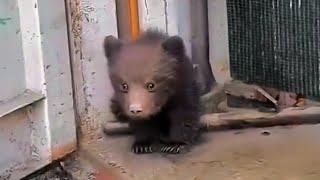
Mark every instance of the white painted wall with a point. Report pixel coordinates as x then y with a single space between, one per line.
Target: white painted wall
152 14
12 70
173 17
170 16
36 126
176 18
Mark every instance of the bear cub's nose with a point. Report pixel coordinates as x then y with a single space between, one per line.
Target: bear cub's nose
135 108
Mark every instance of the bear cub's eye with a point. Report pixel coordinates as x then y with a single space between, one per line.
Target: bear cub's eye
150 86
124 87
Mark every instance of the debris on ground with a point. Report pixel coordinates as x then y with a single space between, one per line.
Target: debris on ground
75 166
209 102
243 95
52 172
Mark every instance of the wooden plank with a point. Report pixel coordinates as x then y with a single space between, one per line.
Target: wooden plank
252 118
116 127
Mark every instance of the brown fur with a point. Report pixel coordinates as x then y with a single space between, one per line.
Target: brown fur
169 112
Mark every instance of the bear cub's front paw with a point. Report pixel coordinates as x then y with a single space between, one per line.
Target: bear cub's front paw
172 148
141 148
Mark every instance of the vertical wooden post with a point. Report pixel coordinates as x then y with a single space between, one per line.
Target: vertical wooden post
134 18
128 19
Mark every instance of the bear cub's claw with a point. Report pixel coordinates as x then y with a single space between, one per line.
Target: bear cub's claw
171 148
141 148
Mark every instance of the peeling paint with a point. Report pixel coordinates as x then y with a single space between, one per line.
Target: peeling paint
147 8
76 16
166 14
35 153
89 24
4 21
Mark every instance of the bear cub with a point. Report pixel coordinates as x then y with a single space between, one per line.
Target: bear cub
154 91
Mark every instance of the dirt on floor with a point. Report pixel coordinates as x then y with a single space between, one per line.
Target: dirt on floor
275 153
52 172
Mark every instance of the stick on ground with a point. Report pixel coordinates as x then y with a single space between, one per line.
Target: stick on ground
239 119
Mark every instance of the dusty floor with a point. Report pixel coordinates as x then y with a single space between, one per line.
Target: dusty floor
278 153
51 172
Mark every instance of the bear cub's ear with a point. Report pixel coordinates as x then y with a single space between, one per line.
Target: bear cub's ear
111 45
174 46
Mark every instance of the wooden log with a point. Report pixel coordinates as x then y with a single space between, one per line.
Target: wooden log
240 119
115 128
253 118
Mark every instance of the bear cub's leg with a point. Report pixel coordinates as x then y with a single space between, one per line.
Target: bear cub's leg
183 131
145 136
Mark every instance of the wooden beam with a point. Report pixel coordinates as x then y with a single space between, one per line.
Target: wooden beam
127 19
134 18
237 119
123 22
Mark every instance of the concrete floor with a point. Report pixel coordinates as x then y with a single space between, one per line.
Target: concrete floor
277 153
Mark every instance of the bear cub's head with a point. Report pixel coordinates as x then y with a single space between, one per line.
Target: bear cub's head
144 73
